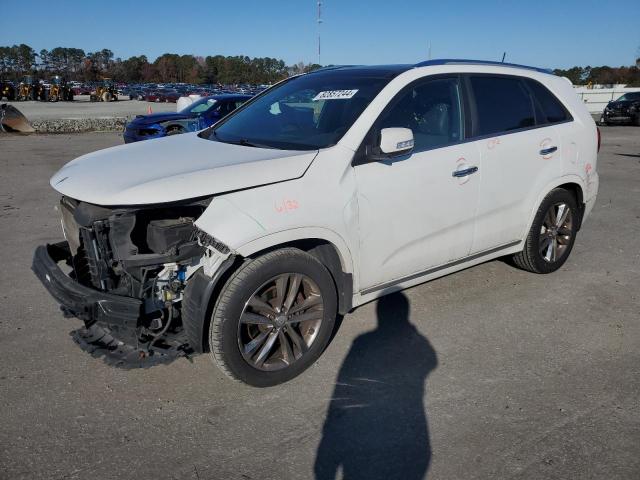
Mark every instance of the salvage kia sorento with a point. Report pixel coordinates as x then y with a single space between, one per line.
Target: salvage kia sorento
324 192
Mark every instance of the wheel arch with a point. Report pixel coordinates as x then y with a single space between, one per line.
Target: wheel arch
329 255
202 291
572 183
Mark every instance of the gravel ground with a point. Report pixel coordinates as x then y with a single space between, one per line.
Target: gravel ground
81 115
488 373
82 108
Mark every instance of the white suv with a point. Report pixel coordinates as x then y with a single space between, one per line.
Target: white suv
324 192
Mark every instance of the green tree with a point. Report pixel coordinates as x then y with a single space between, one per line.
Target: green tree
575 74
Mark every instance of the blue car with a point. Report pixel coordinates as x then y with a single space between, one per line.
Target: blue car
200 114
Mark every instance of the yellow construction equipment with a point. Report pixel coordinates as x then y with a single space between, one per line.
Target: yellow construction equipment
105 92
59 90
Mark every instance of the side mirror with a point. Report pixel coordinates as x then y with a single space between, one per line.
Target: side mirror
396 141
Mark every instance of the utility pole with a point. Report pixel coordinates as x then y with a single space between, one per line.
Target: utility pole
319 23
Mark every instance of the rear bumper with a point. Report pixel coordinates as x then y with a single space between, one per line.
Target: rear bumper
77 300
592 193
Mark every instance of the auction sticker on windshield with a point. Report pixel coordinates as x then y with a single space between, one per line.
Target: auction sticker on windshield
335 95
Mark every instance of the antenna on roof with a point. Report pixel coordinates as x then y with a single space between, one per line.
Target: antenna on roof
319 22
504 55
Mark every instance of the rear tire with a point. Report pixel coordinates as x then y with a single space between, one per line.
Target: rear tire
552 234
271 345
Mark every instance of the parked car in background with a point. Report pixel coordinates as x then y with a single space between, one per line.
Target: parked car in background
82 89
198 115
135 93
152 96
169 95
624 110
325 192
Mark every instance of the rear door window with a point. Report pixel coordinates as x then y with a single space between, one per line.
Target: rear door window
502 104
551 108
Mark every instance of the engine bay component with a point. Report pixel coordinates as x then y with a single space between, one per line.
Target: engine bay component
166 234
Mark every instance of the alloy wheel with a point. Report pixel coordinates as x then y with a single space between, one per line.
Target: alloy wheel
556 232
280 321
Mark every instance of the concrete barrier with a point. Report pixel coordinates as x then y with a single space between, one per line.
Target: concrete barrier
597 98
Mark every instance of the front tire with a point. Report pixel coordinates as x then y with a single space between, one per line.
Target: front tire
273 318
552 234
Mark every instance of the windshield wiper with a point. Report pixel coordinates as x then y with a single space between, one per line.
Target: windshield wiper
243 141
246 143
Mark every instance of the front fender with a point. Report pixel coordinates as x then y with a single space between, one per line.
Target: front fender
302 233
246 235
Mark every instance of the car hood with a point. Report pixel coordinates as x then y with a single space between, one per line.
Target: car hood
620 104
160 117
174 168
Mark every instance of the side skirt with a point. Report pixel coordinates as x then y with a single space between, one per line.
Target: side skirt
376 291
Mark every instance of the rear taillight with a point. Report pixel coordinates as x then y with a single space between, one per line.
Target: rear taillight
598 139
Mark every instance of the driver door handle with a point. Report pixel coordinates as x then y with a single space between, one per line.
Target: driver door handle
465 172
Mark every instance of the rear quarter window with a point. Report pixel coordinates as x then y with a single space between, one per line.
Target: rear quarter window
502 104
553 111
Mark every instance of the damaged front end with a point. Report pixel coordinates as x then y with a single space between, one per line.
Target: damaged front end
125 270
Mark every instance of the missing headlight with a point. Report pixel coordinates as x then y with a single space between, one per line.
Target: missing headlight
166 234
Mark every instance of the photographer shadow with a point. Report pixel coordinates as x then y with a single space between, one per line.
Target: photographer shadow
376 426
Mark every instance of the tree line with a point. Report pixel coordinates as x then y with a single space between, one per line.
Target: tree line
76 64
629 76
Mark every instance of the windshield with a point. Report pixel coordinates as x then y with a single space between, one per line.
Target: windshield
306 113
200 106
629 97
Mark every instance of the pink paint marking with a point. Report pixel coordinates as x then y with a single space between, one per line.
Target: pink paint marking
492 143
286 206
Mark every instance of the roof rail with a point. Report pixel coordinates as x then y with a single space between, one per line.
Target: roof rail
453 61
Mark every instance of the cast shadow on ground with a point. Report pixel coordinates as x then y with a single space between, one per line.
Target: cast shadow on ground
376 426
